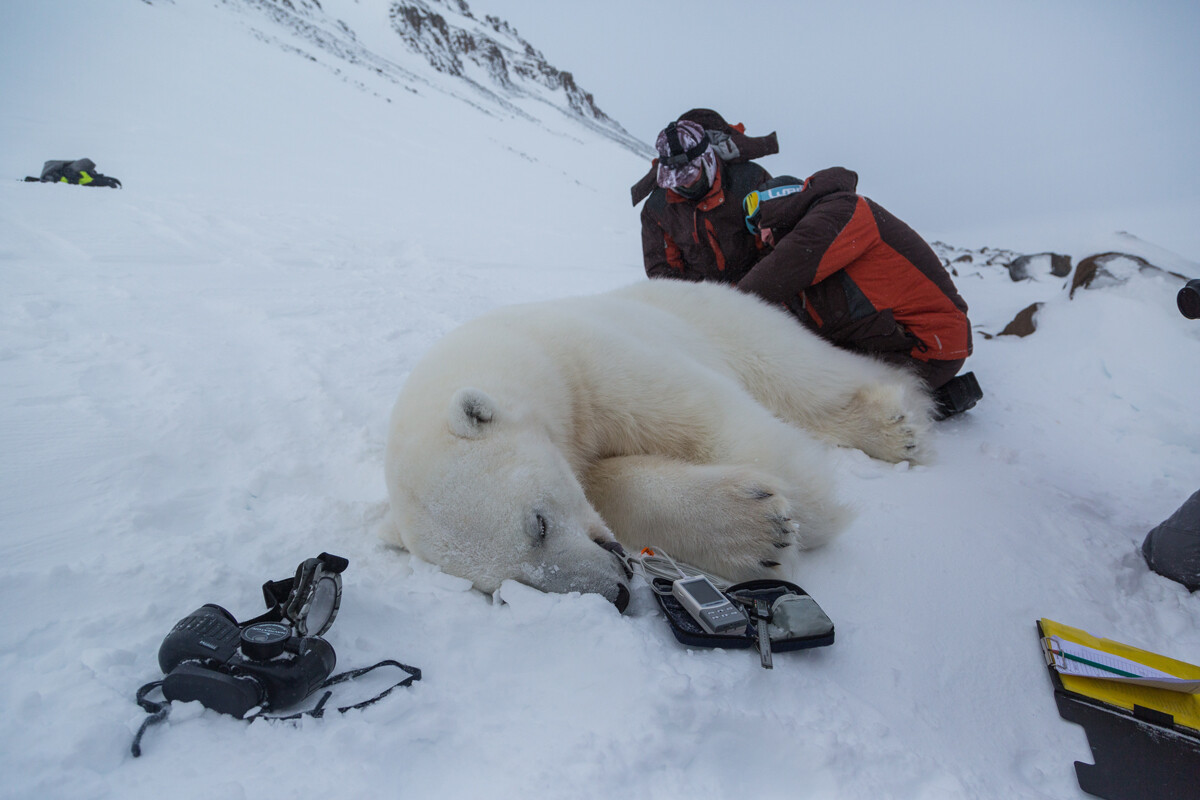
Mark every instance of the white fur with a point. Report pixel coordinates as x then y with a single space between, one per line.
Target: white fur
668 413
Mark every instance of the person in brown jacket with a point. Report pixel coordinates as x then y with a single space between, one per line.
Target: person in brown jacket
692 224
860 277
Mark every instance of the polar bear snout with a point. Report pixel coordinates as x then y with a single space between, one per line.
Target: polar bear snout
621 601
600 569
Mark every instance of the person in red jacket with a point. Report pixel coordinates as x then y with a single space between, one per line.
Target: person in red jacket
692 225
860 277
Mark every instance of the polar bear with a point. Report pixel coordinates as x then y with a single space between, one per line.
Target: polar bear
689 416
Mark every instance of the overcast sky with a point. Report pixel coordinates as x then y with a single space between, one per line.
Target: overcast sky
1021 124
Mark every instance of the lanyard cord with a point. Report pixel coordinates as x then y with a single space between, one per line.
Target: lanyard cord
318 710
158 711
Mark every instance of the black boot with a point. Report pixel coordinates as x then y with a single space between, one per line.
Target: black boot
957 395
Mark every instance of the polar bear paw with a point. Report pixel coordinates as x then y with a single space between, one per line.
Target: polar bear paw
736 521
748 523
892 424
763 515
902 441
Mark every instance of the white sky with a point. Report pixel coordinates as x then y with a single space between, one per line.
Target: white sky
1038 122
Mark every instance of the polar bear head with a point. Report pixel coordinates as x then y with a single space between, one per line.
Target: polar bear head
488 496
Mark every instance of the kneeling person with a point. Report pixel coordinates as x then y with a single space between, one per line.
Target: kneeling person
861 278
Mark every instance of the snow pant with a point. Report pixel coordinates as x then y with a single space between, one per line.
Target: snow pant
1173 548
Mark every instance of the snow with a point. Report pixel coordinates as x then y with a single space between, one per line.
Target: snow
197 372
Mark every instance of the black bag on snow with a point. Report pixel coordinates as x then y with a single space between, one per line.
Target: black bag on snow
81 171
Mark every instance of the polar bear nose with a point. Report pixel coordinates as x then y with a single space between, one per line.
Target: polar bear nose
622 601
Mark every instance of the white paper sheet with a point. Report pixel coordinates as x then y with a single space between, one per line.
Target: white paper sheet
1070 658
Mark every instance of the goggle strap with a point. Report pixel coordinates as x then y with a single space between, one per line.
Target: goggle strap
761 196
780 191
284 598
681 155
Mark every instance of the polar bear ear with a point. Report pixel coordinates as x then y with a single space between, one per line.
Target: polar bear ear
470 412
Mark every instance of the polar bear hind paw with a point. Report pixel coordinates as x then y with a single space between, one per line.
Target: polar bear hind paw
892 424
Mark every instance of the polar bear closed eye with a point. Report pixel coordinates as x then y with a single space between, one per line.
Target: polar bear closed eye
690 416
488 499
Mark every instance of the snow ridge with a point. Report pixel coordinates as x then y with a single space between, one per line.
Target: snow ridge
488 57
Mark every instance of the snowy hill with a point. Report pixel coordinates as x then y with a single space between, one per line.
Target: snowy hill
197 372
498 72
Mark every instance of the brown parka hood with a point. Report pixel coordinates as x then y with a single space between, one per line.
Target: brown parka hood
782 213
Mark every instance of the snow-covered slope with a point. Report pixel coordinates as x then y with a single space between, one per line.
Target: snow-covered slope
497 71
196 373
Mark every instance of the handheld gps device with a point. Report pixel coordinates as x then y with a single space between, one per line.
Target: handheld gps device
704 601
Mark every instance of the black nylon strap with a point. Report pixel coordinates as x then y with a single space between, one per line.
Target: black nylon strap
676 147
681 155
318 711
159 711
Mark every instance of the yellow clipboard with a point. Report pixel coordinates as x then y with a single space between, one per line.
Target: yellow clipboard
1182 706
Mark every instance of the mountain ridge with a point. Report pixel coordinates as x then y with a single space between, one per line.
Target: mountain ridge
490 65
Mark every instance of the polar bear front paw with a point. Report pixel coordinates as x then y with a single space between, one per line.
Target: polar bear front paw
733 520
749 522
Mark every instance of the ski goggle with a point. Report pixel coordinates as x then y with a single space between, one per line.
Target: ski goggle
310 600
752 203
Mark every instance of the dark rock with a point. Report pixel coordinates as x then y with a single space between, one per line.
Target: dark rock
1029 266
1110 269
1023 323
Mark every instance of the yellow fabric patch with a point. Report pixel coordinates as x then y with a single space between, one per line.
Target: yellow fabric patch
1185 708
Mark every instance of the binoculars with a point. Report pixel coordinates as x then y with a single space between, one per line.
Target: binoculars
234 668
272 661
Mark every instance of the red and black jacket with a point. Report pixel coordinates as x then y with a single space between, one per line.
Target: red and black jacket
704 240
858 275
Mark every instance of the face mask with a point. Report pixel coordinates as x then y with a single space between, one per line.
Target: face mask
697 189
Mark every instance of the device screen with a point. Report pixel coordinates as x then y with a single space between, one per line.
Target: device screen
704 592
